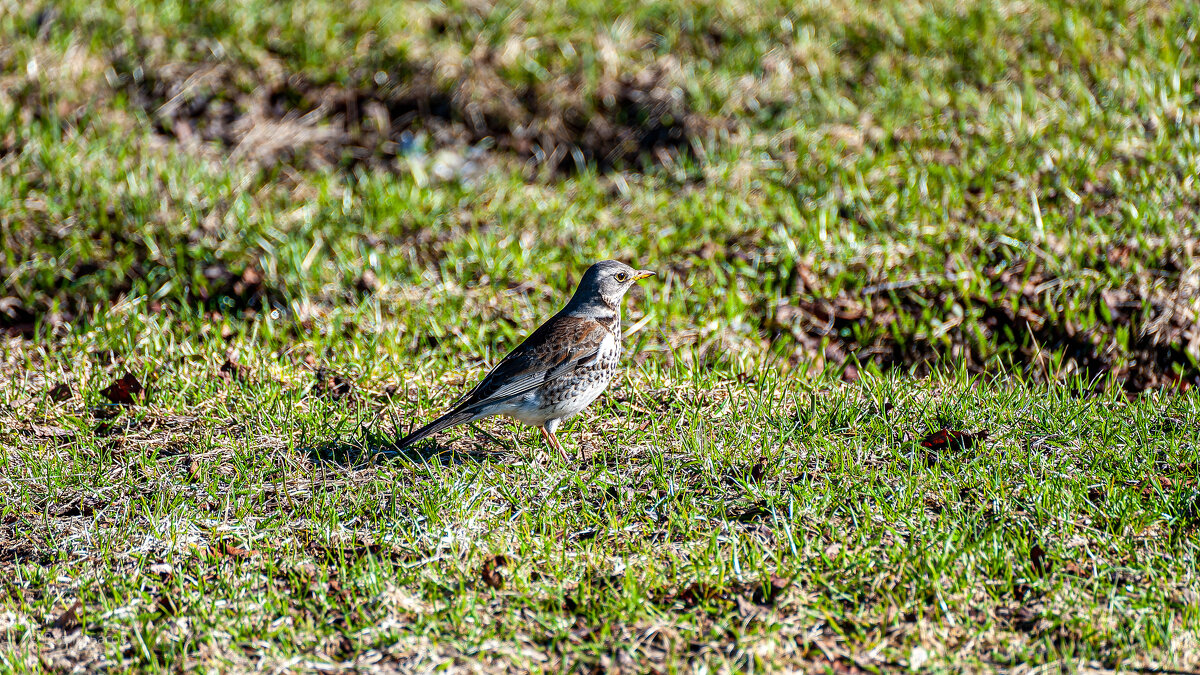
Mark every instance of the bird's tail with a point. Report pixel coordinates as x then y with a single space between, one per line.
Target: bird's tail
450 419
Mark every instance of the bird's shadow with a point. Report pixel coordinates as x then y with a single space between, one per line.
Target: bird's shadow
376 448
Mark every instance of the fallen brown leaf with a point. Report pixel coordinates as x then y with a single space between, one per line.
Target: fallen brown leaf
43 431
332 385
231 371
123 391
1075 569
490 571
759 470
943 439
69 620
59 392
1037 557
767 593
225 549
1179 382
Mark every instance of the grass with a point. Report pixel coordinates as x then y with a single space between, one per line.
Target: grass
900 182
306 227
246 522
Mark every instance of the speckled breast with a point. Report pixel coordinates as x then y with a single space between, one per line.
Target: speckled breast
568 395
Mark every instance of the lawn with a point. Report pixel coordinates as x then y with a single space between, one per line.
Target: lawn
915 388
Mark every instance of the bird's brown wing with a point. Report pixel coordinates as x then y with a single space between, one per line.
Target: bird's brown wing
551 351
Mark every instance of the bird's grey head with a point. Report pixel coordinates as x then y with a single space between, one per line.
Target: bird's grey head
604 284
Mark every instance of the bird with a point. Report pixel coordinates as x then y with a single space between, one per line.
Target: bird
559 369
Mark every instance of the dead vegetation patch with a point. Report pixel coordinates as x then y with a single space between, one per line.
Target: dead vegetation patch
1020 319
561 125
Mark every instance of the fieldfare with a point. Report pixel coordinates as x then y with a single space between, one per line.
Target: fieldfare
559 369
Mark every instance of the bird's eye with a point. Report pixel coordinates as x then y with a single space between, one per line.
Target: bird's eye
621 277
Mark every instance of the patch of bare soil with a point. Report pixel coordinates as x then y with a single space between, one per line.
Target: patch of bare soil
628 121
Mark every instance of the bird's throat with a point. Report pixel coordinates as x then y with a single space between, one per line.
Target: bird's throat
610 321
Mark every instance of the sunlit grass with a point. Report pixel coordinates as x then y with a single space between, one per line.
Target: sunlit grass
889 219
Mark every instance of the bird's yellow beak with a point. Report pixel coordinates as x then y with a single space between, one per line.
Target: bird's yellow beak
642 274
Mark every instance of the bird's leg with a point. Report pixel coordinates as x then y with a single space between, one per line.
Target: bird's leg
545 436
553 441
